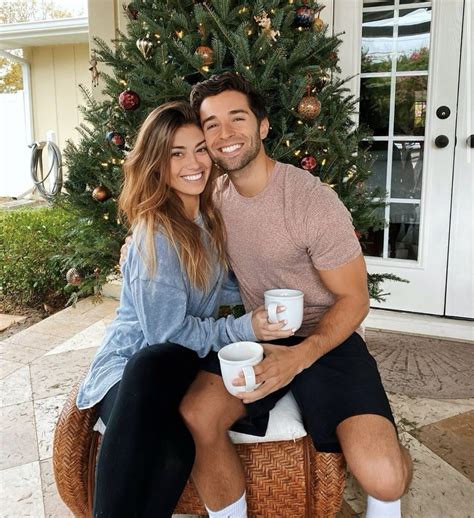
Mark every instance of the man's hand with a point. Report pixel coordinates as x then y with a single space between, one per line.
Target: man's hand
124 250
280 366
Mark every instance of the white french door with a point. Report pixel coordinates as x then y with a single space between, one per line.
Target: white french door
407 55
460 291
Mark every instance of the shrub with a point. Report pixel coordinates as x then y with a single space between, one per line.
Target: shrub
30 271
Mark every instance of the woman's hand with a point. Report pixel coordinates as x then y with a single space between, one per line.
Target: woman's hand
264 331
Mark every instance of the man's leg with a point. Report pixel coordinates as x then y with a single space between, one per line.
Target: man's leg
209 411
344 406
375 457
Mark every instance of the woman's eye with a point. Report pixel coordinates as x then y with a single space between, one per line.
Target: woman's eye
177 153
202 149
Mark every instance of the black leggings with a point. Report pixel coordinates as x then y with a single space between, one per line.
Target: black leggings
147 452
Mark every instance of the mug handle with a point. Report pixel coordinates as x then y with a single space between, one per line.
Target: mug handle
250 380
272 313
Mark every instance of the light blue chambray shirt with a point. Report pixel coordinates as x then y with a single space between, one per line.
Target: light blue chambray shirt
165 308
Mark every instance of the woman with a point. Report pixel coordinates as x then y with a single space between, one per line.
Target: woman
172 286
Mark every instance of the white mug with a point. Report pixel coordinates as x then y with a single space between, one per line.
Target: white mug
293 302
240 357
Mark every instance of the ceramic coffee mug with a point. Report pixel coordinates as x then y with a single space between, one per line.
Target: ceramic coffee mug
240 357
293 302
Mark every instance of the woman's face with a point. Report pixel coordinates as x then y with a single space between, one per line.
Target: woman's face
190 163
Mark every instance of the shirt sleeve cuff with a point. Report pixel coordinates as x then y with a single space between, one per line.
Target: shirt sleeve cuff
245 328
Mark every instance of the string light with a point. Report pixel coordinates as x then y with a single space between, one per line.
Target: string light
298 152
180 34
300 122
287 143
104 164
122 82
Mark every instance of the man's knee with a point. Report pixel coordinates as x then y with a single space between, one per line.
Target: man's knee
386 478
209 418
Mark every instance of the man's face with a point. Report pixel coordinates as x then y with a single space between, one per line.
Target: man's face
233 134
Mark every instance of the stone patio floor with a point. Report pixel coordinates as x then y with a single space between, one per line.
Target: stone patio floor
39 365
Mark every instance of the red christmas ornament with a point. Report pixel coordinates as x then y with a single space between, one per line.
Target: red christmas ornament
304 17
129 100
115 138
308 162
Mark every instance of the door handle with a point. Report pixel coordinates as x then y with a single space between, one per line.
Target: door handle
441 141
470 141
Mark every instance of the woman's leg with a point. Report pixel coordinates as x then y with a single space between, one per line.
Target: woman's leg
147 452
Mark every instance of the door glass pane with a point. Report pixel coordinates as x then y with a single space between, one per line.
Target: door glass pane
407 170
413 39
378 178
404 230
377 41
372 241
375 104
393 94
377 3
410 105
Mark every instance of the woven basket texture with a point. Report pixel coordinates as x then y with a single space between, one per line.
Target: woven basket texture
285 479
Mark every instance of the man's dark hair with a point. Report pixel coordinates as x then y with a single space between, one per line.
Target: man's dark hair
219 83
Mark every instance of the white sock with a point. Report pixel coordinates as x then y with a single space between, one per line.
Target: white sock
236 510
380 509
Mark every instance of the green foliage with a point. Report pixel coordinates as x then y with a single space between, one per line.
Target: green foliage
38 246
281 70
28 241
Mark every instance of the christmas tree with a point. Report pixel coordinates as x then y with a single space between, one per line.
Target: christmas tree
283 48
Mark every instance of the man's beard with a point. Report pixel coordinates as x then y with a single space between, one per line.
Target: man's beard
230 165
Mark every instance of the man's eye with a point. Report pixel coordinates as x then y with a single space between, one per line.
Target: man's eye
238 119
210 126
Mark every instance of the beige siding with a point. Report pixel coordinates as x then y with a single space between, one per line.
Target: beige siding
56 73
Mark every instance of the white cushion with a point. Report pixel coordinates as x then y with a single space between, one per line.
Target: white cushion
285 423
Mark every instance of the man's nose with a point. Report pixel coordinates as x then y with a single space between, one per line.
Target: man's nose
227 131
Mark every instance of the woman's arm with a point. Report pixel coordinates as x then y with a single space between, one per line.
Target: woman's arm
162 312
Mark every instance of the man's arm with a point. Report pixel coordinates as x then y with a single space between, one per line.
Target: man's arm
348 283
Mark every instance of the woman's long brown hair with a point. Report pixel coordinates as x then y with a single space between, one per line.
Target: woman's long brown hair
150 204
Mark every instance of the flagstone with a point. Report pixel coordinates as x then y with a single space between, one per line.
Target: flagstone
16 387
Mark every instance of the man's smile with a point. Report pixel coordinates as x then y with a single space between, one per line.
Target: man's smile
229 150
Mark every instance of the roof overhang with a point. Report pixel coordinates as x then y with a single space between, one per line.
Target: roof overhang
46 33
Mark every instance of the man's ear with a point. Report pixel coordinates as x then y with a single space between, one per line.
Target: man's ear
264 128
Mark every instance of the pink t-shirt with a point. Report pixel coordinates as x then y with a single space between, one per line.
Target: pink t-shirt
281 237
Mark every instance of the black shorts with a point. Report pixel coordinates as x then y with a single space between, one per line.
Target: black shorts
343 383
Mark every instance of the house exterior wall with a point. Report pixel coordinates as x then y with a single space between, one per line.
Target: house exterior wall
56 73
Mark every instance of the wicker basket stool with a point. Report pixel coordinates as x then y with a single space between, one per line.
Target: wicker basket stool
285 479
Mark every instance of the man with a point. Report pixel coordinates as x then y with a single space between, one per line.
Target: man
288 230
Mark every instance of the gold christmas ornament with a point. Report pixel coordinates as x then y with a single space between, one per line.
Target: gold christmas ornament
318 24
145 46
206 53
101 193
309 107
